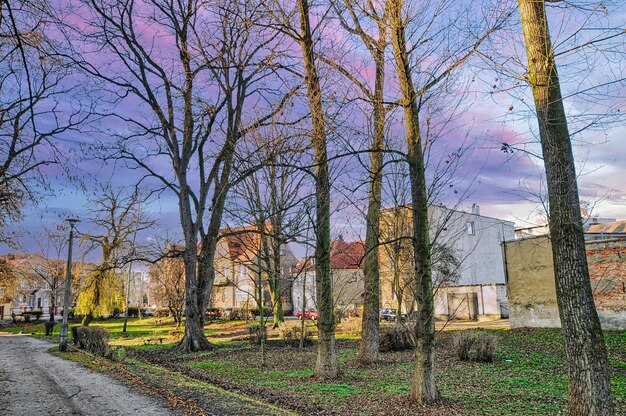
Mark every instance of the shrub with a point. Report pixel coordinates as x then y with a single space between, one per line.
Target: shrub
267 312
94 339
481 343
133 312
26 317
49 327
74 331
239 314
116 312
396 338
161 313
291 335
485 347
462 344
214 313
254 331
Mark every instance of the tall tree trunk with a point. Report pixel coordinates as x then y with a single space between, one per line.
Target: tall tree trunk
87 319
326 365
589 380
423 389
370 335
194 338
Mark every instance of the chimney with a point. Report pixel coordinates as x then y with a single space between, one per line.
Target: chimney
475 209
340 238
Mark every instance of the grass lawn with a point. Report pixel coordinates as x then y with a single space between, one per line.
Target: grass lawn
527 377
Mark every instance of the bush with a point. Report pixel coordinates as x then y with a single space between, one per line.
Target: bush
481 343
161 313
94 339
26 317
214 313
291 335
49 327
254 331
462 344
396 338
485 347
239 314
267 311
133 312
116 312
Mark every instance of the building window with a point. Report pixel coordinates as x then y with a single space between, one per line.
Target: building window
471 230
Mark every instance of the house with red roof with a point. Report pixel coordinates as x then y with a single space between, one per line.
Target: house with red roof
346 265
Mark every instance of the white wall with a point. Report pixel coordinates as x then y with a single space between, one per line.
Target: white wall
481 252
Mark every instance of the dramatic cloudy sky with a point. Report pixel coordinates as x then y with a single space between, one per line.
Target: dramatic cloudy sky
506 185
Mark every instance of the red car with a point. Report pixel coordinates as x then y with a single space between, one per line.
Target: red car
307 315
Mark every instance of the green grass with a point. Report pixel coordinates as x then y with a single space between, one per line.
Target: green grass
527 377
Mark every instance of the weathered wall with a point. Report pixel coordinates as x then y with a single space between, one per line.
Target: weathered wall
487 295
531 287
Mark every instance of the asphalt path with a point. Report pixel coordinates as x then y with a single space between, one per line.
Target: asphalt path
34 382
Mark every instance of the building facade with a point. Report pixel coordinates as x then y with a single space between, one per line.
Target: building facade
468 267
241 271
532 290
346 267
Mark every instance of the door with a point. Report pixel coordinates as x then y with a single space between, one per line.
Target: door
463 306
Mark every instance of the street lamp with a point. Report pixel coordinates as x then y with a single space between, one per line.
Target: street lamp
68 278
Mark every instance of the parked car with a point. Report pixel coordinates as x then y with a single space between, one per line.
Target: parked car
307 315
147 312
387 314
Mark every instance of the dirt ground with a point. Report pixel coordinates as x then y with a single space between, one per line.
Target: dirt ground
33 382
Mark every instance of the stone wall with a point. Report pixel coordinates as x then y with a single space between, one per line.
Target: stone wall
531 287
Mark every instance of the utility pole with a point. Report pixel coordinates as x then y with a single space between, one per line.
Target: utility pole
130 272
68 278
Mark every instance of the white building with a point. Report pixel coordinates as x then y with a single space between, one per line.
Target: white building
468 264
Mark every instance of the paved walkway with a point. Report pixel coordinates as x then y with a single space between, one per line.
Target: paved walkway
34 382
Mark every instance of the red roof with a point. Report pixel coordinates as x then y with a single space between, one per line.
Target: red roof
344 255
347 255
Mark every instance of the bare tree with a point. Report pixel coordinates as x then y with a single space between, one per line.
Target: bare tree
422 28
296 23
118 217
273 198
194 91
167 283
52 272
589 376
356 17
37 104
326 364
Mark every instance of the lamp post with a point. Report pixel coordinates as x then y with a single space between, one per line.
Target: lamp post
68 278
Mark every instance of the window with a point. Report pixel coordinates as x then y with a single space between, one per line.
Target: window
242 272
471 230
243 292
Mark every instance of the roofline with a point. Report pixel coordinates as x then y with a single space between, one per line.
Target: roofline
450 209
